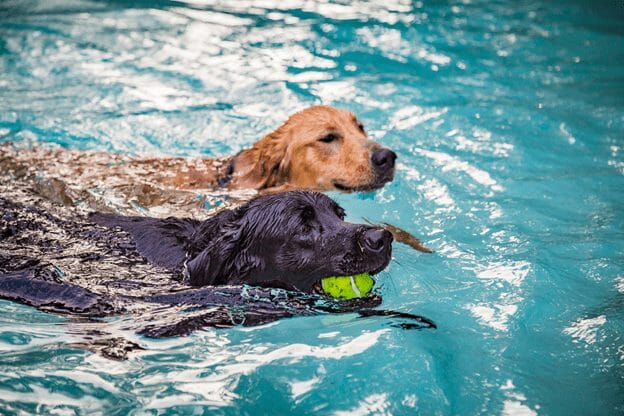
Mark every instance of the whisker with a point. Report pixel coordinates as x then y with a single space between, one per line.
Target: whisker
397 262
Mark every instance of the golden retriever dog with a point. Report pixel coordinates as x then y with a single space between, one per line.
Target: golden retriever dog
320 148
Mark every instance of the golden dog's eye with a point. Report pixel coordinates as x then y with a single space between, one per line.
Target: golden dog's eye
361 127
328 138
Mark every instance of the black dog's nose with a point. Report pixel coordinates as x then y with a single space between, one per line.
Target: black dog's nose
376 239
383 159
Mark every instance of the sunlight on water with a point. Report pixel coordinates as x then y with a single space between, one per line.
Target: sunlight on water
507 119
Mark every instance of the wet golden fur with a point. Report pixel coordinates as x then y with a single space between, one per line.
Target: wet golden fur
295 155
292 156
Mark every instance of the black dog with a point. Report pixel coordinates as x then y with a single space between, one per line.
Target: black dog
290 240
98 266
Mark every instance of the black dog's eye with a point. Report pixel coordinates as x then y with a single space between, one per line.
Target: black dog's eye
328 138
307 214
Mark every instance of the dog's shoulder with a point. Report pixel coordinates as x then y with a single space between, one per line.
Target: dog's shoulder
162 241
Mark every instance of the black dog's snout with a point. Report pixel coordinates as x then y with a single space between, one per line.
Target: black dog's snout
376 239
383 159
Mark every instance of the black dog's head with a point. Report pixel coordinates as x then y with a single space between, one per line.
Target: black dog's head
289 240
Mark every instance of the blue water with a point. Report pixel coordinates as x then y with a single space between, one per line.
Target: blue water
508 119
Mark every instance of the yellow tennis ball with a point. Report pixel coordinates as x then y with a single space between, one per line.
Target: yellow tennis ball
348 287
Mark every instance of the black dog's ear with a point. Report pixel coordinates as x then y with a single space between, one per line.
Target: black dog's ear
209 266
227 259
161 241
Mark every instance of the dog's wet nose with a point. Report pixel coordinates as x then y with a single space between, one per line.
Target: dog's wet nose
383 159
376 239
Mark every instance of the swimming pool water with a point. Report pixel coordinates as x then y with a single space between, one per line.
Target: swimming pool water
508 119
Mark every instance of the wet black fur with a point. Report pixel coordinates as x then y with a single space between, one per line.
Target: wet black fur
288 240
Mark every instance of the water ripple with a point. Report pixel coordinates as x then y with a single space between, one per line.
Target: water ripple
507 121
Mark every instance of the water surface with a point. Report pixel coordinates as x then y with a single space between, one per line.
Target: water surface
508 121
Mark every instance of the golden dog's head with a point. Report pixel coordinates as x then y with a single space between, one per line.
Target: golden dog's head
320 148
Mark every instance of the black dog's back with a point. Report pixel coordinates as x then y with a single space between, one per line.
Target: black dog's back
161 241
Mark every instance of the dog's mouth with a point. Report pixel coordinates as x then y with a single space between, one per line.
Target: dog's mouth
376 183
348 287
356 268
362 188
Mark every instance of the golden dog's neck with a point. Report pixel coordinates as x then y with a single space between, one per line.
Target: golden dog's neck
258 167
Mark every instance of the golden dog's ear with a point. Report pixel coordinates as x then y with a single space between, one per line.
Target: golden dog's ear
265 165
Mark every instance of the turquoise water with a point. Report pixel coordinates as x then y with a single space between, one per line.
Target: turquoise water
508 119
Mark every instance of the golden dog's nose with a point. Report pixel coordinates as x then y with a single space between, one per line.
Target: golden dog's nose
383 159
